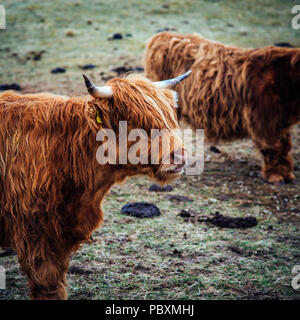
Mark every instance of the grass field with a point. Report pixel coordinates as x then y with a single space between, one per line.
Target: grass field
166 257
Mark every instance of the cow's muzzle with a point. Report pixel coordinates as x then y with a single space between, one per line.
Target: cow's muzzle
177 162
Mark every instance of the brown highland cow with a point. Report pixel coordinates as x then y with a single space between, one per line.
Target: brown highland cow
51 184
234 93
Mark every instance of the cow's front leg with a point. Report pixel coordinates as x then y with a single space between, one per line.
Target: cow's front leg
47 279
45 263
278 161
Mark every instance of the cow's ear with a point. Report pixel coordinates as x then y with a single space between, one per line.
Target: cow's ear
97 92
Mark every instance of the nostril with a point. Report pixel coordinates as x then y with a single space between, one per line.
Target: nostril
180 157
172 158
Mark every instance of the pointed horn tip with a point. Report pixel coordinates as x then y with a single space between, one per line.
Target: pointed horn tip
181 77
185 75
86 80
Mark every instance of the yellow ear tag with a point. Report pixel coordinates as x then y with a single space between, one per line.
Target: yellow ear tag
98 117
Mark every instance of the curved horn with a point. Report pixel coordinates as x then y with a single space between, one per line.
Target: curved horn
172 82
97 92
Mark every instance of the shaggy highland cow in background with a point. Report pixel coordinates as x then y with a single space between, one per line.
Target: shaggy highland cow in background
234 93
51 185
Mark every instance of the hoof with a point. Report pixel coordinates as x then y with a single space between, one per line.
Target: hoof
276 179
290 178
290 181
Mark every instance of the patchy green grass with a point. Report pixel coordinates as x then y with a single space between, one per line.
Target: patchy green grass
47 25
166 257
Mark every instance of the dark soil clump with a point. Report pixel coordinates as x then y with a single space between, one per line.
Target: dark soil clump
140 210
58 70
179 198
228 222
116 36
124 69
11 86
158 188
219 220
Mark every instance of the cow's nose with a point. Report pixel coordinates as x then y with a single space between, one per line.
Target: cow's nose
179 157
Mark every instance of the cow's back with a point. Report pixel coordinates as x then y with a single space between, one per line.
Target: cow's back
225 81
169 54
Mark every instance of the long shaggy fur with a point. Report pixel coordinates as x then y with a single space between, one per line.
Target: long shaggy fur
51 186
234 93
